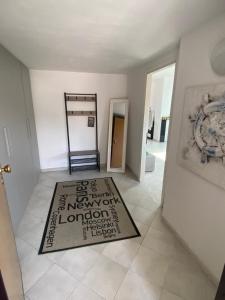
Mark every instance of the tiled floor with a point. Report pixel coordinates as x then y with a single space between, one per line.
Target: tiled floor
156 148
151 267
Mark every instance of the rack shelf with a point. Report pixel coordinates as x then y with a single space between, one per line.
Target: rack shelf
81 113
82 159
72 97
83 168
84 152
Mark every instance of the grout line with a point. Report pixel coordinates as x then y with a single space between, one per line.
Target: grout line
90 288
67 298
79 280
28 245
39 279
121 284
195 258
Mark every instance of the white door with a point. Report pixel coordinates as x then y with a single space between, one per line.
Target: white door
9 262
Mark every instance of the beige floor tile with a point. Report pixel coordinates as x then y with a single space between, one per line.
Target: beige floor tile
44 192
169 296
56 284
143 229
134 194
78 261
130 207
182 255
27 223
158 222
99 248
46 180
148 203
105 277
23 248
151 265
55 256
33 268
162 242
39 207
122 252
33 234
134 287
84 293
142 215
188 282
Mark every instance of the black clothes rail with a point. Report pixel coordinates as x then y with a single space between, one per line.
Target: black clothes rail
86 159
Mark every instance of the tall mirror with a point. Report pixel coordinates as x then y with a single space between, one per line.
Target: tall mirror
117 138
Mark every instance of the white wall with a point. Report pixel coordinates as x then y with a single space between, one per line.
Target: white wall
138 118
161 88
167 92
48 88
192 206
156 101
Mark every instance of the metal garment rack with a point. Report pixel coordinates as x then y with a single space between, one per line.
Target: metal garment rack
86 159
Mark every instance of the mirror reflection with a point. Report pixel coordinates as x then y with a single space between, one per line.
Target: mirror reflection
117 135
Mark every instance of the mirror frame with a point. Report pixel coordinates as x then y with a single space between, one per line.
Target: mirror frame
217 58
112 102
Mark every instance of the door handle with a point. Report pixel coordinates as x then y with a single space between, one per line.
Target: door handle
5 169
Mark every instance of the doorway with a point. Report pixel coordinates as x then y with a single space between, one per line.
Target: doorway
159 90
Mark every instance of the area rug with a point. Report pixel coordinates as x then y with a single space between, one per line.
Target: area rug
84 213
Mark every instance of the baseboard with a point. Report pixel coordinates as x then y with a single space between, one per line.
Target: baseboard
54 169
128 169
102 166
208 273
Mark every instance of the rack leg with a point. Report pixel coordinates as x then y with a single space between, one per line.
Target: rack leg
70 168
98 161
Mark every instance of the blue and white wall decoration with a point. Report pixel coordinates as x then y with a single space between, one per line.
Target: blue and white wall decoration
202 136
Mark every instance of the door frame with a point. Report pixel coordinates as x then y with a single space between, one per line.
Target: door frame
145 124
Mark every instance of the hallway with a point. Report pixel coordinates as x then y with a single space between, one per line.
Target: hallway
154 266
158 149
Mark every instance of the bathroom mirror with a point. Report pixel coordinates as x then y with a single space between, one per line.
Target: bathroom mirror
117 137
218 58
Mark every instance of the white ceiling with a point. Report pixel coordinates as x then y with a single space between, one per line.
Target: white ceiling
97 35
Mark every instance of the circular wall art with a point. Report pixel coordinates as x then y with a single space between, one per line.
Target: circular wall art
202 135
209 128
